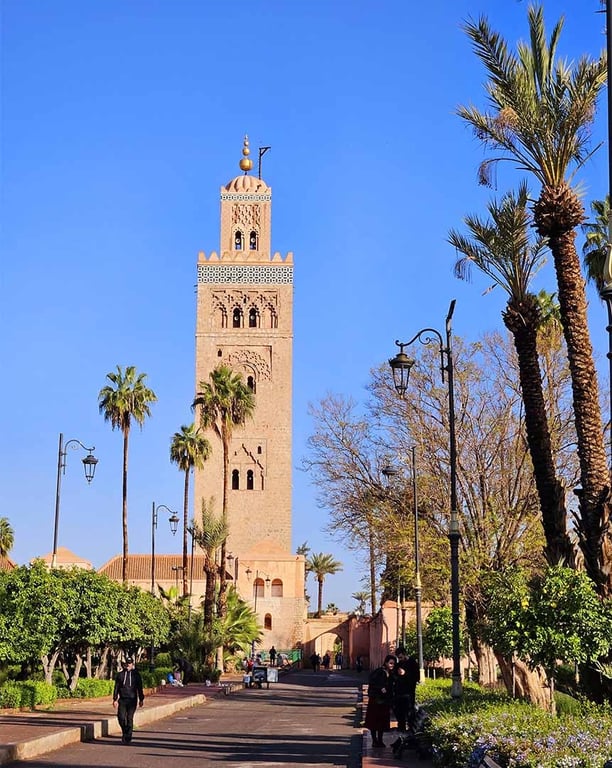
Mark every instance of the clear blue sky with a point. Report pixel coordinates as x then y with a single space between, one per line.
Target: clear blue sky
120 121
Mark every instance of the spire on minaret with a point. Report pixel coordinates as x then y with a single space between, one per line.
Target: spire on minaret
246 164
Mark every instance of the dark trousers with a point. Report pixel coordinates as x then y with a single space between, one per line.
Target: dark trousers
402 707
125 715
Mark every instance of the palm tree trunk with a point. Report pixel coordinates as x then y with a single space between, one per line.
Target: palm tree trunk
185 524
320 600
521 319
593 524
126 433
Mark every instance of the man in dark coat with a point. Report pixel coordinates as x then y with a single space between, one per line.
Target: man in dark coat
186 669
404 691
127 695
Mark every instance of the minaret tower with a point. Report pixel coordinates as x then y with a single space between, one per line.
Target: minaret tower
245 321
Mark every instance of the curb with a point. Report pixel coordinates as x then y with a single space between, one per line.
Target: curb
92 729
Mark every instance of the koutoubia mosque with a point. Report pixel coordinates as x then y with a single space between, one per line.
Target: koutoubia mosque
245 321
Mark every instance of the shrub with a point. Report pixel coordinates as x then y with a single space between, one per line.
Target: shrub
566 704
29 693
89 688
163 659
512 732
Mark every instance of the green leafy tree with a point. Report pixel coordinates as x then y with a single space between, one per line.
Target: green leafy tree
552 617
189 450
124 399
223 403
7 536
438 634
540 112
322 565
501 247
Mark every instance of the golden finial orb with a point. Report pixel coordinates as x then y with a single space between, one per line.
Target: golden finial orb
246 164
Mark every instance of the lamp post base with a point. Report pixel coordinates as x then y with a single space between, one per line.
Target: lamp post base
456 687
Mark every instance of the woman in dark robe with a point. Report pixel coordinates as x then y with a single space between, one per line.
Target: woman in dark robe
380 696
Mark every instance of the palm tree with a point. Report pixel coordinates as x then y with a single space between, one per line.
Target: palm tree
209 534
7 537
321 566
224 402
541 109
189 449
362 598
595 248
126 397
500 247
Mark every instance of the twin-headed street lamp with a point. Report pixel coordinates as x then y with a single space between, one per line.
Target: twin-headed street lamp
174 521
401 365
390 472
89 464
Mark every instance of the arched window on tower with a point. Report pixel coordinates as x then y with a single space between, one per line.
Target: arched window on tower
223 317
251 383
273 319
235 480
268 621
249 479
277 588
253 240
253 318
237 318
238 242
258 588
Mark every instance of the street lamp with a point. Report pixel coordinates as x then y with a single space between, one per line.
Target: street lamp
401 365
89 464
173 520
389 471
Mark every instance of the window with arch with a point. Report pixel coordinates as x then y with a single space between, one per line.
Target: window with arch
268 621
259 449
237 318
273 319
258 588
219 353
238 241
253 317
277 588
253 240
250 479
251 383
235 480
223 315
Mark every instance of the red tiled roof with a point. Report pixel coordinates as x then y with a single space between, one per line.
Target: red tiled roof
139 567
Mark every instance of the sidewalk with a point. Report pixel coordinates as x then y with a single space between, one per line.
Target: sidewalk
28 734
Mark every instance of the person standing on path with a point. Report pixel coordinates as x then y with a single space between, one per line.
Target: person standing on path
380 696
273 656
404 692
127 695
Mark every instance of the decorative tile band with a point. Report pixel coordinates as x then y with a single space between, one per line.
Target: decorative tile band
235 196
242 273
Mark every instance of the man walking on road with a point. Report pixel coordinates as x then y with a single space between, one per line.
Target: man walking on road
127 695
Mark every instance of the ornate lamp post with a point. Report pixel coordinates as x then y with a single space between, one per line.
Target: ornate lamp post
89 464
174 521
401 365
389 472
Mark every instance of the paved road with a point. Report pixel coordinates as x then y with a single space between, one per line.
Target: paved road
305 719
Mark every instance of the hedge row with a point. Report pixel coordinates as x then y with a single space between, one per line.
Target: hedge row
29 694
